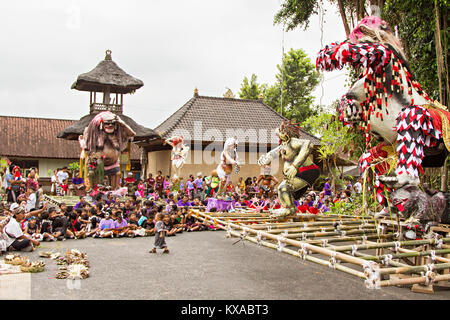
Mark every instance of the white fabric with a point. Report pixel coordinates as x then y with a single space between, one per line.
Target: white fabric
31 202
221 173
13 228
358 187
54 179
62 176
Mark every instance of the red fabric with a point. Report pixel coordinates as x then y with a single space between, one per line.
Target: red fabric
313 166
129 180
437 121
313 210
303 208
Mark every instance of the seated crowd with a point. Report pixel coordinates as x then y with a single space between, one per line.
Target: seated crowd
25 222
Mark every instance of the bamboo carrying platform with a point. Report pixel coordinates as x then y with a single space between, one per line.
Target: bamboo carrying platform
375 252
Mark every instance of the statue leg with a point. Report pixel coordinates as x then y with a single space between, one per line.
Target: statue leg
115 179
286 194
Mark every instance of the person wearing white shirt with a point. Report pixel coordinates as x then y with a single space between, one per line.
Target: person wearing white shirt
31 199
15 239
358 186
62 175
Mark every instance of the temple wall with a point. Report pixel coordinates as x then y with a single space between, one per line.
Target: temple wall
205 161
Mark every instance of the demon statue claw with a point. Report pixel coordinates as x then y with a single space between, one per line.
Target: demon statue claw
104 139
298 169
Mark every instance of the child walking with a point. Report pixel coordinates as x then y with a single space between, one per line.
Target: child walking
160 234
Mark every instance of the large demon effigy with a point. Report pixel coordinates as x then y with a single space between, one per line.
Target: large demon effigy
104 139
298 169
392 109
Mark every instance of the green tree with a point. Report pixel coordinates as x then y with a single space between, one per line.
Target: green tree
297 13
335 140
425 33
251 89
291 93
423 28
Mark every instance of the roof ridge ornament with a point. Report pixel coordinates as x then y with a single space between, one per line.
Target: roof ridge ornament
195 92
229 94
108 55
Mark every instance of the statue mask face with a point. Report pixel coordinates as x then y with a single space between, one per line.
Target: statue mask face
281 135
109 126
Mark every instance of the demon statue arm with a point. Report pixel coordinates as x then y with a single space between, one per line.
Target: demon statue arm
298 169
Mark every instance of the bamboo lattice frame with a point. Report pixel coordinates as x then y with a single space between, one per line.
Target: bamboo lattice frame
333 241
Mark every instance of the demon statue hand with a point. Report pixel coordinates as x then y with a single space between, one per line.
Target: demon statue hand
298 169
105 138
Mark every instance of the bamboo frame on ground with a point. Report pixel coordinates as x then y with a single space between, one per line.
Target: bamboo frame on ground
335 229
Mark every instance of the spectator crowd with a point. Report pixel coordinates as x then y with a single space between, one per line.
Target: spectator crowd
158 203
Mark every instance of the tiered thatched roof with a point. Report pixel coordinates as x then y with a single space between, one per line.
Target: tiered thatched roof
72 132
107 73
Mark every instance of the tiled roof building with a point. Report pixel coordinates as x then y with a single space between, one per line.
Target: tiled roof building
206 122
249 117
27 141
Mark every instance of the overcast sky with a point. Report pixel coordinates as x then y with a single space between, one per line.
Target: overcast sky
172 46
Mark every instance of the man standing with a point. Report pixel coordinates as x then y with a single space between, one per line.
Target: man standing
199 185
327 188
62 175
150 183
159 183
358 186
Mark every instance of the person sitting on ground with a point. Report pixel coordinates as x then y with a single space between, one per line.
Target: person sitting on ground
15 238
120 225
184 202
134 229
46 227
196 202
178 221
62 209
106 227
92 225
75 229
80 203
33 229
59 224
192 224
160 235
168 225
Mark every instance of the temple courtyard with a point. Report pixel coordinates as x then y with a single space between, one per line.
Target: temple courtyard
200 266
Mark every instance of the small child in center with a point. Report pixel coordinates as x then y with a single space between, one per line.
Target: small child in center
160 234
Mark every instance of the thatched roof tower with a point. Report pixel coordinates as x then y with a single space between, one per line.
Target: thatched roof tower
107 78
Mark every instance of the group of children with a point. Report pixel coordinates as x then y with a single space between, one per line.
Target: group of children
110 218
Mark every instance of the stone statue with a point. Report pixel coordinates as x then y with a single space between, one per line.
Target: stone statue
298 169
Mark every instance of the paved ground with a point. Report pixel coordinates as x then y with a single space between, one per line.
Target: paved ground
201 265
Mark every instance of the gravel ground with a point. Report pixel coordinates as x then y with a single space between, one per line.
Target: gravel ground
200 266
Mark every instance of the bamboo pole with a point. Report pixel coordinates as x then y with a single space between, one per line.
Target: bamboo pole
299 244
310 258
361 260
410 281
438 258
391 244
407 254
323 229
345 239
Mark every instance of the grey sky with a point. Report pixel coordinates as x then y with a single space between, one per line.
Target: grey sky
172 46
